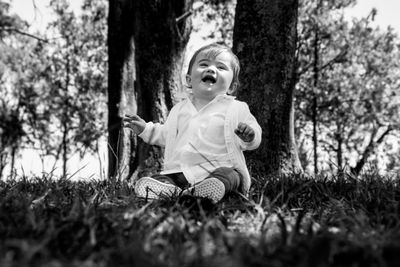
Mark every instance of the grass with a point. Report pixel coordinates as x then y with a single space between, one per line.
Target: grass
286 221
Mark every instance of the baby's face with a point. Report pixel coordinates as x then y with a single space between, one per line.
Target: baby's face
211 76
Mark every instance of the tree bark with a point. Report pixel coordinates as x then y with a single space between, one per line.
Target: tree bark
265 41
121 77
146 48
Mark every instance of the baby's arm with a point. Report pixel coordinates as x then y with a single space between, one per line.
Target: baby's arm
151 133
135 123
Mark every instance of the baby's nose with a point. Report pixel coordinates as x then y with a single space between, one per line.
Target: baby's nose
211 69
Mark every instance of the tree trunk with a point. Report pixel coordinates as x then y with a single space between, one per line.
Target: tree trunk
64 145
339 149
315 132
372 145
339 133
146 47
265 41
65 118
315 88
12 166
121 78
3 162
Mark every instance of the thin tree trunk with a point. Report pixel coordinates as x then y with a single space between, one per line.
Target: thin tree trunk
315 100
12 166
264 39
339 133
65 119
64 145
315 133
369 149
339 152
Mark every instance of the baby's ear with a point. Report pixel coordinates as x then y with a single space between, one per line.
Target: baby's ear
232 89
188 81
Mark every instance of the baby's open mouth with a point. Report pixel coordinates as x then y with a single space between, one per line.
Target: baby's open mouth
209 78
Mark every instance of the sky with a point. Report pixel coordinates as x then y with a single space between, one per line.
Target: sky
388 14
388 11
39 17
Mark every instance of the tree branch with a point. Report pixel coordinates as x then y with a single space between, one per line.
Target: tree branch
338 58
183 16
8 29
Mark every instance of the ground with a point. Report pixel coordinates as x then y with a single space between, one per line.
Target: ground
285 221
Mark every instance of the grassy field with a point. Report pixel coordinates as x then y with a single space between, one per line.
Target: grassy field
287 221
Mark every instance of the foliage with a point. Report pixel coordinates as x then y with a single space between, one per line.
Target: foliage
16 90
11 131
77 70
8 23
214 20
287 221
54 90
348 81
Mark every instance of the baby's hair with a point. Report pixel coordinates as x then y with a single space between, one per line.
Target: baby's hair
212 51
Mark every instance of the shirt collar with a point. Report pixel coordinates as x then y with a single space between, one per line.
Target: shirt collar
217 98
225 96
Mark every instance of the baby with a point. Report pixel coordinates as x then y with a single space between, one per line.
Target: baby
204 135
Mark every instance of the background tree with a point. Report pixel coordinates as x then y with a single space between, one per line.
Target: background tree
264 39
75 76
54 90
319 48
217 16
146 42
353 101
11 107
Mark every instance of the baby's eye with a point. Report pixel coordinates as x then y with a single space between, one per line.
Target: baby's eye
203 64
222 68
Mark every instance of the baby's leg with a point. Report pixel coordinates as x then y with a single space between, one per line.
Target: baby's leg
157 186
220 182
230 177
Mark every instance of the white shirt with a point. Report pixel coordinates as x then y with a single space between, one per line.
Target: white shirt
200 145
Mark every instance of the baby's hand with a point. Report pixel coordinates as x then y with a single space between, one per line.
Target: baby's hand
134 122
245 132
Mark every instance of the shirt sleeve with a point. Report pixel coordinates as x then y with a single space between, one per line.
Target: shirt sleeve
154 134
